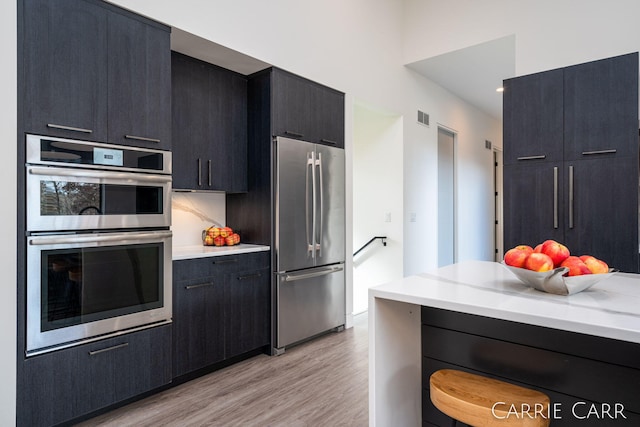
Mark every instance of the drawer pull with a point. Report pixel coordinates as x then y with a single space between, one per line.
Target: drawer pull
328 141
200 285
104 350
532 157
588 153
71 128
141 138
226 261
296 134
250 276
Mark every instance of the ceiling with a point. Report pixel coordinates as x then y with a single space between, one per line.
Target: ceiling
473 73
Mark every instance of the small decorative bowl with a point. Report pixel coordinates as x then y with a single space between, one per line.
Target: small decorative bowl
554 281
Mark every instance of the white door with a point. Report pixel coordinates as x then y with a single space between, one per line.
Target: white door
446 197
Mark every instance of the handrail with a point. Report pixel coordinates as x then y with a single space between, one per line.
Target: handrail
384 242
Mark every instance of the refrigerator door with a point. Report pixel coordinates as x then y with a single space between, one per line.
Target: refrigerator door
294 213
330 205
309 302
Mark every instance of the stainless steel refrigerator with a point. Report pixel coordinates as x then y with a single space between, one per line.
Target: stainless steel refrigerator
309 240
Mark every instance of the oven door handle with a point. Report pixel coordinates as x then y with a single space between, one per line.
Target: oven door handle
97 238
139 177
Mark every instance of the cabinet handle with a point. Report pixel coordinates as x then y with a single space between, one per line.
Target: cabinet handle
226 261
209 167
54 126
250 276
141 138
588 153
199 172
296 134
328 141
570 196
555 197
103 350
200 285
543 156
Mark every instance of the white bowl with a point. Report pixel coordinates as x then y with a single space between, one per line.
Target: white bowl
554 281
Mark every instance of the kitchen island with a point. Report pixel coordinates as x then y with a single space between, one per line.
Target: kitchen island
486 295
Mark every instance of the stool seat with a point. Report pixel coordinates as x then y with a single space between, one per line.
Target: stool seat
481 401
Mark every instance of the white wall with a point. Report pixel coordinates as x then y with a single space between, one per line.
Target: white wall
8 213
377 191
549 33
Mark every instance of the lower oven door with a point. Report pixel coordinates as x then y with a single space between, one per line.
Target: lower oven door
84 286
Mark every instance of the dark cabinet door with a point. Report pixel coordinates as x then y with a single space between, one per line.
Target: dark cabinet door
198 322
533 203
330 117
190 120
73 382
603 218
209 118
533 117
139 98
247 313
601 108
65 69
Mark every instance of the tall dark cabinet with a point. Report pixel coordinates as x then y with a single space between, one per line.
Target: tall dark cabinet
571 159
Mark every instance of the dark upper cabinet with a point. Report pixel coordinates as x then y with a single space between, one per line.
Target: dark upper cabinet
209 126
139 99
93 71
533 118
601 108
221 309
65 69
306 110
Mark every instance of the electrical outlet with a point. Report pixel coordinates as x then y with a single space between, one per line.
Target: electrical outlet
412 217
387 217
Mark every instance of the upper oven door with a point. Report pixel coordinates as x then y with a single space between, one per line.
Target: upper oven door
61 199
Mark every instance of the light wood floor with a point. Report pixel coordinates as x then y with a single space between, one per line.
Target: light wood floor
319 383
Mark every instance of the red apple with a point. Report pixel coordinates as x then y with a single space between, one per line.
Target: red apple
208 240
516 257
538 262
236 238
219 241
556 251
226 231
538 248
576 266
595 265
229 240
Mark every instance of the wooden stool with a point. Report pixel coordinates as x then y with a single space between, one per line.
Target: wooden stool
480 401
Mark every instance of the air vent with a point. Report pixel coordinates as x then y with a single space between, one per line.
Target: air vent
423 118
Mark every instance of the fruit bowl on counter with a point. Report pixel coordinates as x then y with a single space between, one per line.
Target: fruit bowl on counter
549 267
220 236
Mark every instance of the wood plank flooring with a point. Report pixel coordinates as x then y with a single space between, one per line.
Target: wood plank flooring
323 382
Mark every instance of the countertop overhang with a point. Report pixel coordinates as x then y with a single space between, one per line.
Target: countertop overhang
610 309
200 251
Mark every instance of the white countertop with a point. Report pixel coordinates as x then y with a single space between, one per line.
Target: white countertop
611 308
200 251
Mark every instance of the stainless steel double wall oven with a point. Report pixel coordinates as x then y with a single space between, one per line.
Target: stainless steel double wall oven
98 240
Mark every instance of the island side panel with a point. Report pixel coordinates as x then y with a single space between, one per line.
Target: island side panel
394 363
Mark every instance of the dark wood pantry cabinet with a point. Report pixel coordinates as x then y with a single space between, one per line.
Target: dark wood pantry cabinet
93 71
221 309
209 118
571 159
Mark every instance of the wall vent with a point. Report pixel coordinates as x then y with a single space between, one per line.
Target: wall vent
423 118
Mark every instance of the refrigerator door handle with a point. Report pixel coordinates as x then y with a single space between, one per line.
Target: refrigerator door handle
308 231
321 192
292 277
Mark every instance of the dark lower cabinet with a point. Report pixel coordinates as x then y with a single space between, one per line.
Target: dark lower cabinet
586 377
221 309
66 384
